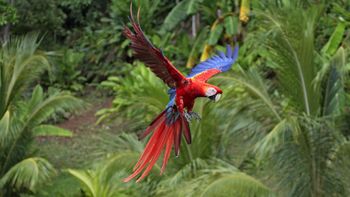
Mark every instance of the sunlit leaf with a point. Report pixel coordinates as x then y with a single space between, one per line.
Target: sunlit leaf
50 130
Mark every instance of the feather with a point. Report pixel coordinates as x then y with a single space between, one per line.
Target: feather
177 137
216 64
186 130
150 55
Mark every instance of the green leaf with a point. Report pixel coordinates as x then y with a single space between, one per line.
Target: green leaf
108 84
290 48
231 25
4 128
192 6
50 130
238 184
28 173
37 97
334 95
175 16
276 137
85 178
334 41
215 34
180 12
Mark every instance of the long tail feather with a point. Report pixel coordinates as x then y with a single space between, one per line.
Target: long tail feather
177 137
150 146
166 134
186 130
153 125
167 152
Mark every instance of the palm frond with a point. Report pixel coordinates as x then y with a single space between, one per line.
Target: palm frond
290 47
237 184
5 130
333 97
105 178
216 178
20 64
41 111
253 82
28 174
276 137
86 178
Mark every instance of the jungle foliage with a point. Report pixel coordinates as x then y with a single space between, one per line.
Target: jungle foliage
281 129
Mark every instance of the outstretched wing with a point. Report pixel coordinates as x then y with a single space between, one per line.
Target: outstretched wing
150 55
219 63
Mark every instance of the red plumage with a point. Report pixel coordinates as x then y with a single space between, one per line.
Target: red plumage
151 56
169 126
164 135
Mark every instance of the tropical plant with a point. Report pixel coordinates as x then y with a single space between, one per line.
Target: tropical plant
300 153
8 13
65 73
287 113
104 177
22 119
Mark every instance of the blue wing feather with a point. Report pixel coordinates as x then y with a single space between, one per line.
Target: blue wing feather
222 62
172 93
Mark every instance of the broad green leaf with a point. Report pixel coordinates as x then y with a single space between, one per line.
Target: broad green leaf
231 25
175 16
192 6
215 34
180 12
334 41
50 130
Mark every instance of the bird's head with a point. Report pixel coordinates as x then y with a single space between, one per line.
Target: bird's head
213 93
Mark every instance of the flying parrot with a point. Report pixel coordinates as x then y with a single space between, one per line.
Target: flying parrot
170 124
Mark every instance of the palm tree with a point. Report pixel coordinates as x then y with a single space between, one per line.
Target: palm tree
22 119
302 155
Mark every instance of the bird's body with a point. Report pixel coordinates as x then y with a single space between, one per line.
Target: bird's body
188 91
169 125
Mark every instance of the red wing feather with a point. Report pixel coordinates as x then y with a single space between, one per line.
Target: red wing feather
205 75
151 56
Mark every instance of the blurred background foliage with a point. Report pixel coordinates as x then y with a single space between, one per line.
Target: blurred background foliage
281 129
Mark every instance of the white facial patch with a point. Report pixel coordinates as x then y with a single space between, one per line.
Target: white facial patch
210 92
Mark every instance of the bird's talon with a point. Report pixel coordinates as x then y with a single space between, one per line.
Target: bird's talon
188 117
195 115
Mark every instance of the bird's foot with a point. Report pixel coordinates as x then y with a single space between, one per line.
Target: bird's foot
192 115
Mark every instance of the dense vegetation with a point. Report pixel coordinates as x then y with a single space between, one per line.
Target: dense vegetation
281 129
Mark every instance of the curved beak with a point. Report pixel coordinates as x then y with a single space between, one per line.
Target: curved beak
215 97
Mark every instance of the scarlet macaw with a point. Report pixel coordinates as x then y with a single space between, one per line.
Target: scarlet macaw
169 125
